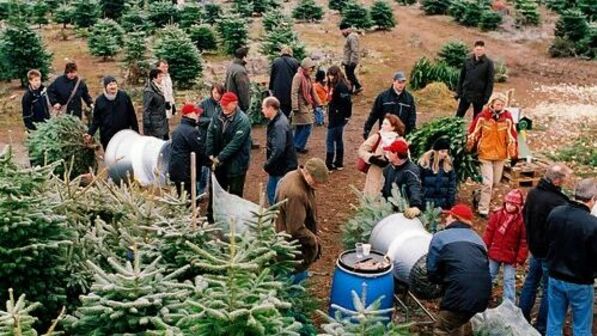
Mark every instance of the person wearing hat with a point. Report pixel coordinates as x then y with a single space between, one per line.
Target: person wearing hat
457 260
395 100
298 214
155 121
506 242
492 134
113 111
229 146
475 84
186 139
304 101
438 176
66 92
280 80
405 175
351 57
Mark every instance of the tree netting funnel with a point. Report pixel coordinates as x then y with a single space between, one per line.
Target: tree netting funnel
229 208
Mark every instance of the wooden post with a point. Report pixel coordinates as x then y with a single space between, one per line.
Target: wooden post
194 188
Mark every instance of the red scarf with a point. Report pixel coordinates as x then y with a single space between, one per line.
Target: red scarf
306 86
509 218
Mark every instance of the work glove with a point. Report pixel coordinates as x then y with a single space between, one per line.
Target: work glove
214 162
411 213
378 160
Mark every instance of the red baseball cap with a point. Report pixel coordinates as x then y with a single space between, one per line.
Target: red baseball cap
460 211
398 146
190 108
228 98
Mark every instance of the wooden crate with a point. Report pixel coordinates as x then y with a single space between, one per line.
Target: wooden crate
524 174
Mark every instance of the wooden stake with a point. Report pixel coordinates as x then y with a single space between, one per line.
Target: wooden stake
194 188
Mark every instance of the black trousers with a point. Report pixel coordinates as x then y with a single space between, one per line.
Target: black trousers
464 105
232 184
349 69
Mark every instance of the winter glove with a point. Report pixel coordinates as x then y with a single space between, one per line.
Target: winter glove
411 213
378 160
168 106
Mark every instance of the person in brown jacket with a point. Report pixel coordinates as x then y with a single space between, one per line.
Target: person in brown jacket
298 214
371 151
304 100
350 60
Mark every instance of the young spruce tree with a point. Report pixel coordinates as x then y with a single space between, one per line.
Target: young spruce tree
175 46
382 15
105 38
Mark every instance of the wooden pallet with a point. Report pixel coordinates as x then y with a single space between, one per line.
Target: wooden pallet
524 174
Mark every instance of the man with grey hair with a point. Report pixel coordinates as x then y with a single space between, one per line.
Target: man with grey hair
540 201
572 260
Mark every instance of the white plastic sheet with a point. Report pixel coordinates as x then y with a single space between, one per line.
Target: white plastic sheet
505 320
229 208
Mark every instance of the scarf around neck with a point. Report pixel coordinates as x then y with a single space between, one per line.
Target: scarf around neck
156 87
306 86
110 97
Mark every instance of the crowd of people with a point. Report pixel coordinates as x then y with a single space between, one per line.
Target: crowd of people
560 233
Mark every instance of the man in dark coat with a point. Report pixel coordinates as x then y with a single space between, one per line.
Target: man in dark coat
541 200
404 173
572 260
280 155
475 84
155 121
397 101
237 79
186 139
35 101
280 81
66 92
457 260
113 111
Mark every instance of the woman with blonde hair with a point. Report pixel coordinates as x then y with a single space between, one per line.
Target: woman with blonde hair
371 151
438 177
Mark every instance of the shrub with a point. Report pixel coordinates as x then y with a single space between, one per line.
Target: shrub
40 12
189 15
406 2
490 20
501 72
112 8
135 19
472 15
135 56
162 13
382 15
105 38
64 14
561 48
282 35
588 46
356 15
86 13
175 46
233 31
527 12
435 7
454 53
262 6
273 18
243 7
307 10
211 13
337 4
572 25
203 37
589 8
457 9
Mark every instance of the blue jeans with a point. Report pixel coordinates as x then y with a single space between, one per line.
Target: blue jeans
562 294
509 278
335 146
319 116
272 184
536 276
301 136
203 180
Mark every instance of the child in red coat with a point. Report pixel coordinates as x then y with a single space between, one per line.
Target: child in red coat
505 238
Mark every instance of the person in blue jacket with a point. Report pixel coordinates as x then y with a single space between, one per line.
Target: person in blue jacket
438 176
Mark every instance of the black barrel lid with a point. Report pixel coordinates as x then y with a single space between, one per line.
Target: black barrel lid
349 261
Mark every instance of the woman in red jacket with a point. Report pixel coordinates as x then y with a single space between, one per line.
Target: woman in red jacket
506 242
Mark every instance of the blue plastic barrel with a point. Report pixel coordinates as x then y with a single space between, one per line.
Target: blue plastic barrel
348 276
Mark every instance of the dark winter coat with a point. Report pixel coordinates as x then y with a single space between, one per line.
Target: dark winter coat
476 80
457 260
229 139
186 138
298 216
340 107
572 244
403 106
60 90
210 108
35 107
407 175
237 81
112 116
540 201
155 122
440 187
280 81
280 155
505 237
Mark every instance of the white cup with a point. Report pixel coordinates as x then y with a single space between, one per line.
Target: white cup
366 249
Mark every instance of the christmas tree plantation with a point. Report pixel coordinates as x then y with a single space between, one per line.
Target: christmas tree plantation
175 46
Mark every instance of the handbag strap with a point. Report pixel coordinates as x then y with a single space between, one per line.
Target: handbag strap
374 148
72 95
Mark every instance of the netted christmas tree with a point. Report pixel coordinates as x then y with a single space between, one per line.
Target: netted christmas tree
135 59
189 15
22 49
112 9
175 46
162 13
87 12
203 37
40 11
211 12
454 53
105 38
435 7
572 25
307 10
233 31
337 4
63 14
135 18
490 20
356 15
382 15
527 13
273 18
280 36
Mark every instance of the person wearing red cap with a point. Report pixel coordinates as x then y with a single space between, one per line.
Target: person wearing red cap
405 175
229 145
186 139
505 238
457 260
